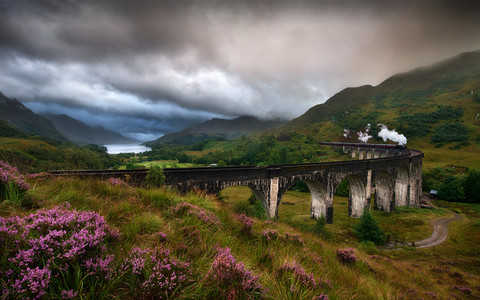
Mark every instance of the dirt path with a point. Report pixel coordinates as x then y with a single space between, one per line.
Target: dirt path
440 232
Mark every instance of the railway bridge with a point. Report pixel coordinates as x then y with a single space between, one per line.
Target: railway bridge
392 173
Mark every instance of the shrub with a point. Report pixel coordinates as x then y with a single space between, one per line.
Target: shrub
452 189
206 217
346 255
342 189
252 208
301 186
247 223
368 230
230 278
270 235
55 250
471 186
155 177
298 274
156 273
12 183
449 133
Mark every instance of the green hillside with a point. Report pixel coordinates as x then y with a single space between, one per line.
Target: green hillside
23 119
35 155
8 131
436 107
217 129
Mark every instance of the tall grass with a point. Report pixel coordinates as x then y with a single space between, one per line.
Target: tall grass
141 213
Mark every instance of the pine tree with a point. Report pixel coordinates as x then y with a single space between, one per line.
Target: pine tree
368 229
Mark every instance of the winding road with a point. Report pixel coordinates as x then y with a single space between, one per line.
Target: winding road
440 232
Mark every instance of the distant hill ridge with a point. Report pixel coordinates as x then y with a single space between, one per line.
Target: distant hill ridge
414 87
81 133
218 129
23 119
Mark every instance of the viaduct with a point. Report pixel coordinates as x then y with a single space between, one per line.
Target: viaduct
393 174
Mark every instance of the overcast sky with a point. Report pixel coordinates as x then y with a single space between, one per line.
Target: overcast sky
147 67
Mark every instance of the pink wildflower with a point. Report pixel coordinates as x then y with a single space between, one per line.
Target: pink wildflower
11 175
206 217
299 273
69 294
46 243
247 223
346 255
231 278
270 235
116 181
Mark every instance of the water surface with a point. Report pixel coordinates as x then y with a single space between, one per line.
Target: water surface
126 148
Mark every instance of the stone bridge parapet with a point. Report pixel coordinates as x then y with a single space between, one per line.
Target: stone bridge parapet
393 174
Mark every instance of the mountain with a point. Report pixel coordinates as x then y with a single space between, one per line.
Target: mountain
217 129
9 131
81 133
436 107
404 92
23 119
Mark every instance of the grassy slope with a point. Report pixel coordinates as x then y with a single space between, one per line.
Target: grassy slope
140 213
34 155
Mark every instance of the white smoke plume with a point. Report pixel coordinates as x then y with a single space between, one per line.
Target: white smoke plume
392 135
364 136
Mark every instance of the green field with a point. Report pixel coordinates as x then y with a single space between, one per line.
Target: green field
167 164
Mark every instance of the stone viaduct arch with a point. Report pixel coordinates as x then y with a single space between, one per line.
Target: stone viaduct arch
392 173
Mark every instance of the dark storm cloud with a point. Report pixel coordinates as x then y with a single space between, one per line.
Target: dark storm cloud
191 60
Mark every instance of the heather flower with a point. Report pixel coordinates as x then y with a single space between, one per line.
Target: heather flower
247 223
116 181
231 279
11 176
136 260
99 265
162 236
167 275
320 297
185 208
346 255
157 273
48 243
299 274
270 235
68 294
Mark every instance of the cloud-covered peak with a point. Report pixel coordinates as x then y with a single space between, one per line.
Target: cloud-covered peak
193 60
